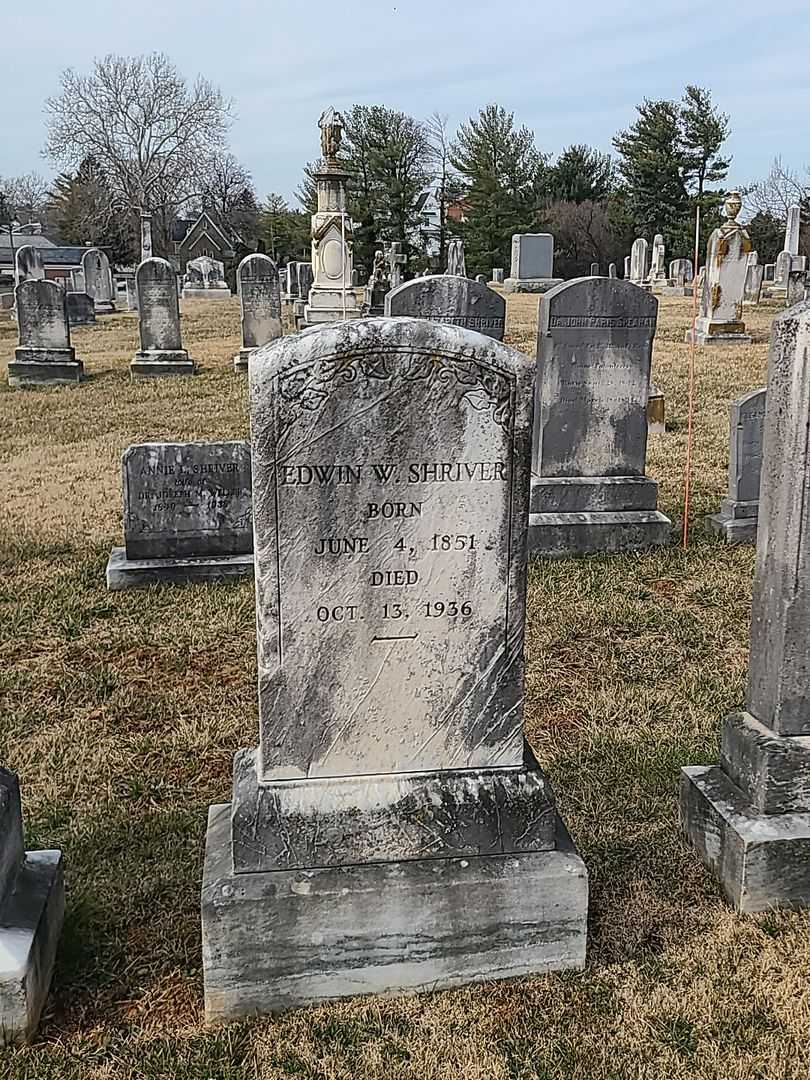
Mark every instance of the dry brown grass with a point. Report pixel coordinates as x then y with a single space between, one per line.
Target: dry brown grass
121 713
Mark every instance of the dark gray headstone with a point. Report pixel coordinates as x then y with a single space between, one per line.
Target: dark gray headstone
594 354
260 303
737 519
452 300
187 499
391 472
98 280
306 278
81 310
161 349
44 354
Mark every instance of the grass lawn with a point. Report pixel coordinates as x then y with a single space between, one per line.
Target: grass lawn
121 713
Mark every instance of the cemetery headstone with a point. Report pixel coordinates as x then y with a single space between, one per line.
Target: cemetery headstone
146 236
721 300
749 816
161 351
594 269
32 908
627 267
393 831
98 281
260 303
639 261
306 279
44 354
205 280
481 279
681 272
456 262
81 311
589 490
752 290
291 290
453 301
792 228
737 518
656 412
331 298
784 262
397 261
612 271
658 271
355 278
532 264
796 287
497 276
28 264
379 285
187 514
770 272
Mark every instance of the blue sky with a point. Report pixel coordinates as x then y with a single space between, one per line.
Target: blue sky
571 71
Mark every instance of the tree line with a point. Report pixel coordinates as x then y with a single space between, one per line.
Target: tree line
135 135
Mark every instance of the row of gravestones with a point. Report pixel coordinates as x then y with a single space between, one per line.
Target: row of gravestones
394 830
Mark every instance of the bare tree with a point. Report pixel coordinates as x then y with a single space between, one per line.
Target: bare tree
227 188
26 196
780 189
448 183
145 127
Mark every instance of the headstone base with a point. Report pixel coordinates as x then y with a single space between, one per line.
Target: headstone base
148 365
281 940
530 285
585 494
105 307
563 535
37 367
330 305
124 573
761 861
736 521
205 294
30 924
240 361
298 313
709 333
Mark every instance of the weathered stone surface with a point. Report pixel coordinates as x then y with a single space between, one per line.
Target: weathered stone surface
792 227
656 412
737 519
639 261
772 771
280 940
391 473
612 271
497 276
456 262
98 281
796 287
681 271
44 354
187 499
32 902
721 299
28 264
594 353
454 301
760 861
779 672
532 264
330 440
205 280
260 302
161 351
748 819
752 291
81 311
123 573
365 819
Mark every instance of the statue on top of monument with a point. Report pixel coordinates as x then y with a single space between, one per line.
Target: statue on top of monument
331 125
731 227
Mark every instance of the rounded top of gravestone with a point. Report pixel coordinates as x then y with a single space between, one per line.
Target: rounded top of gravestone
257 265
601 298
341 349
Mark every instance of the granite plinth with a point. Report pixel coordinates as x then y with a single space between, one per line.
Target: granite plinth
563 535
156 363
37 367
772 771
338 821
124 573
584 494
760 861
190 293
718 337
284 939
734 530
530 285
104 307
30 922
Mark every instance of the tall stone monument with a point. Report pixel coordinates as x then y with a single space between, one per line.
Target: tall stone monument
589 490
454 301
32 907
331 297
456 260
161 351
146 235
639 261
260 302
658 266
393 830
98 281
749 817
737 519
532 264
44 354
721 300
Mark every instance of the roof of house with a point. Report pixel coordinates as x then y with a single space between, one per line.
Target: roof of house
51 256
21 239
